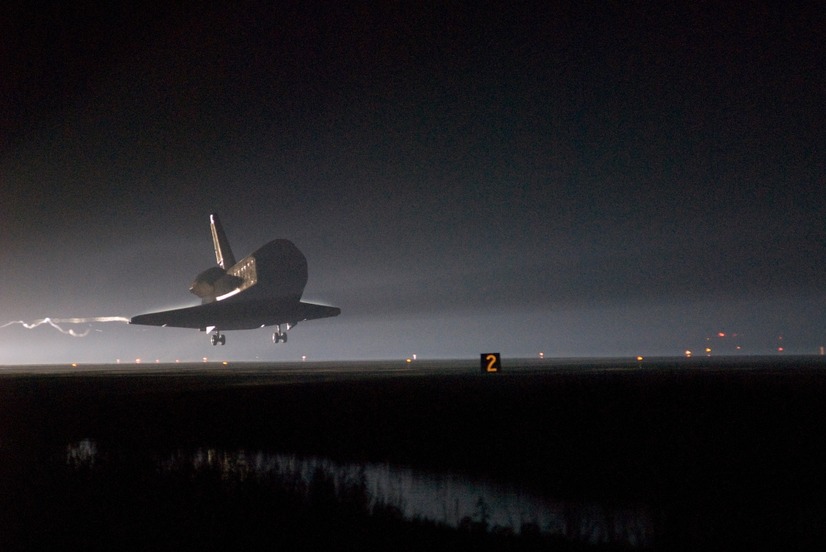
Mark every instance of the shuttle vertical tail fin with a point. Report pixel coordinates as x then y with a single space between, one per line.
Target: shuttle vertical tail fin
223 253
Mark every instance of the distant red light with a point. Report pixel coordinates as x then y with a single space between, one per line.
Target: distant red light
721 334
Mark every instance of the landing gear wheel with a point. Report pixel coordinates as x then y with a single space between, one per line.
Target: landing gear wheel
218 338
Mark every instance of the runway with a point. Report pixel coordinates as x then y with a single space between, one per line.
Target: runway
704 452
349 369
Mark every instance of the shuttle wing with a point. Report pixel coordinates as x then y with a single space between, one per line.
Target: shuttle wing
237 315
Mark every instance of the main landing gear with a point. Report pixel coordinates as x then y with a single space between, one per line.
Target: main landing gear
280 336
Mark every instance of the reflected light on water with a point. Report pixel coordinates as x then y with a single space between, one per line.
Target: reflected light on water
82 454
451 499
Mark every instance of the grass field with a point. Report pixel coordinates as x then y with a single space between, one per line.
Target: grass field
718 453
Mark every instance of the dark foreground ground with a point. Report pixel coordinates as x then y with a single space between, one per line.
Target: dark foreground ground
726 454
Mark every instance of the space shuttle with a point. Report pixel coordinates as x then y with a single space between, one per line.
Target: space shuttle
262 289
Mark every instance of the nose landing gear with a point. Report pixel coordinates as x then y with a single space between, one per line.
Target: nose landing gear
217 338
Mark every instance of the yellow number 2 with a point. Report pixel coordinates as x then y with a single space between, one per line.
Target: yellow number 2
491 363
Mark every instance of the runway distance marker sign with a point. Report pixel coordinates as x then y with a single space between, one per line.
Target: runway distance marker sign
491 363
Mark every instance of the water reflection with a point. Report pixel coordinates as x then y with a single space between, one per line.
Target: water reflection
452 499
82 454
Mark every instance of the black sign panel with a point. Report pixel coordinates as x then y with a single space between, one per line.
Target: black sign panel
491 362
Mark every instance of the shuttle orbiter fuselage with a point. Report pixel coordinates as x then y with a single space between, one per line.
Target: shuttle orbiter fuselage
262 289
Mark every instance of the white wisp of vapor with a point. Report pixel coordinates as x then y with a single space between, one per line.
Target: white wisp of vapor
55 323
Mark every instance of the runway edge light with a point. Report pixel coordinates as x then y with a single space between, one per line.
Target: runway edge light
491 363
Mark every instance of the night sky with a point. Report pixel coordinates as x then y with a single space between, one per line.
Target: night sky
577 179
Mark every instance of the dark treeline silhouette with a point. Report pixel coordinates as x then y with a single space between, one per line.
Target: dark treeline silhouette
123 501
